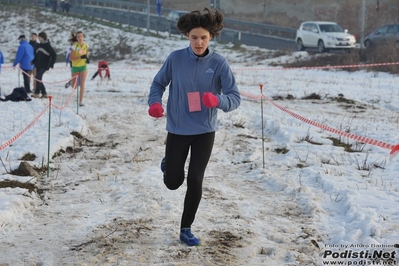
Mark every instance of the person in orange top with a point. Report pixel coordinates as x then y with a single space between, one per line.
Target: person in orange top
79 57
102 65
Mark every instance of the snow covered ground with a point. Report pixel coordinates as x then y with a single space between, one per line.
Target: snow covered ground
294 198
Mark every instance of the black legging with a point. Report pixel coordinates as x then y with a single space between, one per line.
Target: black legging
26 77
177 147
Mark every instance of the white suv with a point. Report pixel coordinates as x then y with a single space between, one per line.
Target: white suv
323 35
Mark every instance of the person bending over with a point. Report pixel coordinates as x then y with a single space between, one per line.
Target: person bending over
102 66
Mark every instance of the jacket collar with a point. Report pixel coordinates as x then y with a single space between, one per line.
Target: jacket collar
197 58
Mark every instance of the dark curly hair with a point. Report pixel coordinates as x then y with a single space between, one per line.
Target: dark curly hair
211 21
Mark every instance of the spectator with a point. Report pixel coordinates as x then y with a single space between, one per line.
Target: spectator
1 60
54 5
66 6
24 58
68 53
35 44
102 65
33 41
68 62
159 6
45 58
79 57
199 82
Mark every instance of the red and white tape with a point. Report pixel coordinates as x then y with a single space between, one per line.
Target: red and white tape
9 142
394 148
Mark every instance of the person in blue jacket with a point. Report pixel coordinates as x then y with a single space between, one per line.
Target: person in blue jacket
1 60
24 58
159 4
200 82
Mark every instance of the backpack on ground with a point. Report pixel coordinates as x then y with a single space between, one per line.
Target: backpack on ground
17 95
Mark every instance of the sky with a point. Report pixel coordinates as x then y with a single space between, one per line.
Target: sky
277 191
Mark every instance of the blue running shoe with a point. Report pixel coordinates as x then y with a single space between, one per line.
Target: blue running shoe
187 237
163 165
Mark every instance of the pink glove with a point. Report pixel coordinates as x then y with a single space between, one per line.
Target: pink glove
210 100
156 110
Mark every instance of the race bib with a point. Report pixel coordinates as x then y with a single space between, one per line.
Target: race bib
194 101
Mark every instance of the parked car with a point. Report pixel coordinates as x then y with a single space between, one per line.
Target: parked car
384 35
172 18
324 36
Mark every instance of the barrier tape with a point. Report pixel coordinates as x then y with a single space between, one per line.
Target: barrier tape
323 67
394 148
263 68
94 68
45 82
7 143
66 103
62 81
10 141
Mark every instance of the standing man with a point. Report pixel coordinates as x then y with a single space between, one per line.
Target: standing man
34 43
62 6
33 40
45 58
67 6
159 5
24 57
1 60
55 4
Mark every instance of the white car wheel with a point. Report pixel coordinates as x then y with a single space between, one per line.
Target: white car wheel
299 45
320 47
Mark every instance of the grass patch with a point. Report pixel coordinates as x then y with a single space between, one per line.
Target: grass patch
338 143
279 97
28 157
308 139
16 184
312 96
281 150
342 99
300 165
358 147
